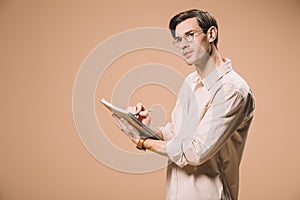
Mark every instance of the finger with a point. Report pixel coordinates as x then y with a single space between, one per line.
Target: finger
131 109
146 121
134 110
120 124
128 126
115 116
144 113
135 139
124 121
140 107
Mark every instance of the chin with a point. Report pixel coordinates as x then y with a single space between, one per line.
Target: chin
189 61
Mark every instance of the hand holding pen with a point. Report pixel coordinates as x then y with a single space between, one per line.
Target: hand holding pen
141 113
138 113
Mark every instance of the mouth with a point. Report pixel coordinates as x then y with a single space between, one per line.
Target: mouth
187 54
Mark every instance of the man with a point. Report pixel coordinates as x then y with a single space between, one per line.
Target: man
206 137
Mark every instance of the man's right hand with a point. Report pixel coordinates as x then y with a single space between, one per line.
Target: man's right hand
141 113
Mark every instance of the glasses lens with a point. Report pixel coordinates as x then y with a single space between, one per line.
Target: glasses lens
190 37
177 41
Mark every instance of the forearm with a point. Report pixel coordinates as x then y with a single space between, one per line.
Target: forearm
157 131
157 146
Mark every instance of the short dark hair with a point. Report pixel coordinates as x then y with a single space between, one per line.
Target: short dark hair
205 21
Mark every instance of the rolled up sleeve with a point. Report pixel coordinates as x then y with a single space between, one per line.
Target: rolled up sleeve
167 131
224 116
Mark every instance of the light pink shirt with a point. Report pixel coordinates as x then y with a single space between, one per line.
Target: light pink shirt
207 135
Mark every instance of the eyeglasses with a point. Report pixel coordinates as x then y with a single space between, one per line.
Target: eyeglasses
189 37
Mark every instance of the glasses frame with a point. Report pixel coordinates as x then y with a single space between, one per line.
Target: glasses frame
188 37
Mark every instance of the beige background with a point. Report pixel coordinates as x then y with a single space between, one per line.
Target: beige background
42 45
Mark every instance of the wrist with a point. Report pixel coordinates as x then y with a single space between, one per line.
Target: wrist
140 144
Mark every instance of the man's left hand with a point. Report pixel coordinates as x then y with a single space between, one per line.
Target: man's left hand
127 128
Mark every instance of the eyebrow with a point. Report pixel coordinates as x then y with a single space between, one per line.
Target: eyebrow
188 32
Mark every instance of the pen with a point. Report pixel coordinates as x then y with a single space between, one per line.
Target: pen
149 110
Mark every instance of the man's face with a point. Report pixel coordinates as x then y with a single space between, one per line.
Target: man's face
192 51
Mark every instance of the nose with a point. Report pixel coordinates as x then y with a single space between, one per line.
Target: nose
183 45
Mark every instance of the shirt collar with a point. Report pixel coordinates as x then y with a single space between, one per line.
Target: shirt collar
196 78
218 73
214 76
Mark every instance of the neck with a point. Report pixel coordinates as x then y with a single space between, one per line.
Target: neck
209 63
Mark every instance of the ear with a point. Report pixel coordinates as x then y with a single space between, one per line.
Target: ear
212 33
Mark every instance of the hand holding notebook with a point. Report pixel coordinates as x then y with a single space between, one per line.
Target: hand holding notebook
132 126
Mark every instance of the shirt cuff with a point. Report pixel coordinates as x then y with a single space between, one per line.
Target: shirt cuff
175 153
167 131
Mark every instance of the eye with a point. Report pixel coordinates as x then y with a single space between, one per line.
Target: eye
189 36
